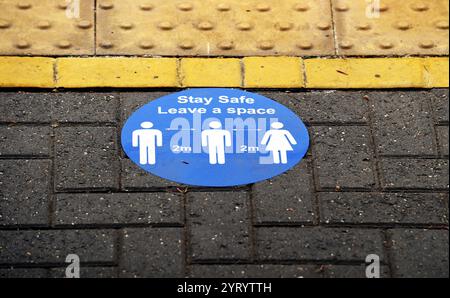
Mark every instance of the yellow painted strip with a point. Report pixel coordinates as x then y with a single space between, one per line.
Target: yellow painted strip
365 73
26 72
210 72
117 72
248 72
436 71
273 72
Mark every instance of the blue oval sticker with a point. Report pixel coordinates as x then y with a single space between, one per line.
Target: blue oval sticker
215 137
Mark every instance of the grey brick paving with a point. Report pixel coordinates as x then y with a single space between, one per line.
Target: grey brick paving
134 178
318 244
442 132
403 124
440 105
85 107
343 157
52 246
24 192
86 272
256 271
286 198
349 271
420 253
415 173
152 252
25 140
136 208
386 208
325 107
86 157
25 107
23 273
219 225
375 176
131 101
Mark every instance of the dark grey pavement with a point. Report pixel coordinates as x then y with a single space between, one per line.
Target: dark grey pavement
375 181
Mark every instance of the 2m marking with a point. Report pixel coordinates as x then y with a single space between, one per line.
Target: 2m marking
183 149
250 149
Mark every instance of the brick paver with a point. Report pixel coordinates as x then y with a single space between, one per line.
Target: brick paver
419 253
86 158
343 157
219 226
375 181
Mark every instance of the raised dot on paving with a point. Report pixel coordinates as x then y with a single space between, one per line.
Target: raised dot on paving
84 24
363 26
4 24
186 6
146 45
305 45
22 44
301 6
126 25
44 25
223 7
205 25
64 44
266 45
186 45
146 6
226 45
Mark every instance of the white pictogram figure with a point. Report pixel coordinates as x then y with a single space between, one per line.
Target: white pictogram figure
279 142
216 139
147 139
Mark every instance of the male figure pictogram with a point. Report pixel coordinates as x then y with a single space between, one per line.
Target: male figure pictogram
216 139
147 139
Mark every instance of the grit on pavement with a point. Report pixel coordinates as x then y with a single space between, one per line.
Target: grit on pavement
375 181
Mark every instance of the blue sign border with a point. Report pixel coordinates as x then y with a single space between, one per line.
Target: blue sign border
194 169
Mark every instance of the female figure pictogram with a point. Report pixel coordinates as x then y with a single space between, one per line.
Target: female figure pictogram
278 141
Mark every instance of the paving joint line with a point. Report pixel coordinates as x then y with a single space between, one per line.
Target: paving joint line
388 252
334 31
186 244
376 167
118 249
252 221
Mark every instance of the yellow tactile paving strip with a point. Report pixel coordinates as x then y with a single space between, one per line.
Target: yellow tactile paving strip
397 27
248 72
214 27
224 27
46 27
249 44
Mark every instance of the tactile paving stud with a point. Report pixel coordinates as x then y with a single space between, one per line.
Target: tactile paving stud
223 7
407 27
22 44
301 6
215 27
64 44
226 45
146 6
4 24
305 45
146 45
185 6
46 27
205 25
84 24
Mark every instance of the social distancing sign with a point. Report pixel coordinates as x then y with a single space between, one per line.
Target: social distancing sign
215 137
